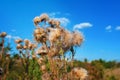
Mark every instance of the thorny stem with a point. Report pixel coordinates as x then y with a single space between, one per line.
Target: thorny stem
0 77
2 51
2 57
7 68
22 56
27 61
73 53
33 68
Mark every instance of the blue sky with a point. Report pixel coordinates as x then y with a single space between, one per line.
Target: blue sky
98 20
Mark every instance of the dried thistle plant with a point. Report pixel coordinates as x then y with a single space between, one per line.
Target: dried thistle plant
19 46
54 42
42 50
44 17
18 41
4 57
77 38
37 20
54 23
40 35
3 34
60 41
80 73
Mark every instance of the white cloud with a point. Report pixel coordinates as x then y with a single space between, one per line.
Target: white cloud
9 36
82 25
108 28
13 30
12 37
16 37
117 28
53 14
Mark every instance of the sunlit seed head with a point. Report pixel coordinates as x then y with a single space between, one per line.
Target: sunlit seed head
19 46
54 35
57 23
25 47
40 35
30 46
34 45
26 41
80 73
43 68
51 21
58 32
44 17
53 51
46 76
3 34
37 20
42 51
77 38
54 23
40 61
39 31
67 39
37 38
33 56
18 41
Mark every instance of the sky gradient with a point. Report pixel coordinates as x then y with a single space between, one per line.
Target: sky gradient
98 20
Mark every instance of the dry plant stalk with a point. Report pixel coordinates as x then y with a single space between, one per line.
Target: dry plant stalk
54 42
4 57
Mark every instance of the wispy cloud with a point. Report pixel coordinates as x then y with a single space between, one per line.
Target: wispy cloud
13 30
117 28
82 25
12 37
9 37
109 28
54 14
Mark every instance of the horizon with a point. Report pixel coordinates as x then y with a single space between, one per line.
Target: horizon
97 20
